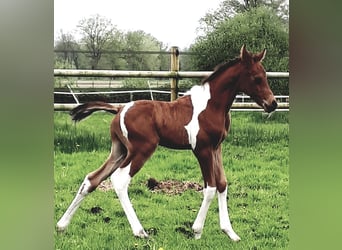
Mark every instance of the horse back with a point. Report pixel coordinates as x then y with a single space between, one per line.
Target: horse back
157 121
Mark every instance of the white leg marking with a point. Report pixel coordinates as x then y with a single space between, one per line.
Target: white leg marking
81 194
225 224
120 180
122 118
209 194
199 98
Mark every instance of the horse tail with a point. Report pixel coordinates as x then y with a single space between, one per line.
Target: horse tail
84 110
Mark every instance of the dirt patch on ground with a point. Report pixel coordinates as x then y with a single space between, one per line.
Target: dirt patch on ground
105 186
171 187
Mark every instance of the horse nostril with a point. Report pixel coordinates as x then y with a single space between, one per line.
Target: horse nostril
274 104
271 106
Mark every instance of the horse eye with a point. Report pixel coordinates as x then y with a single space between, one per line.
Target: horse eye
257 80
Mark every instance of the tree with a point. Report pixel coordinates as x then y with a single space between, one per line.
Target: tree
97 32
68 47
229 8
258 28
113 59
139 41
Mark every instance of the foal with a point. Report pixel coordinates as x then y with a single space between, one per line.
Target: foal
198 121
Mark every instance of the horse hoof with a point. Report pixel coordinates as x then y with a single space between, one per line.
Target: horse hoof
232 235
61 225
197 235
60 228
235 238
141 234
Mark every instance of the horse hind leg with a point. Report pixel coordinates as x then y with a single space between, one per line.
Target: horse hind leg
63 223
121 179
90 183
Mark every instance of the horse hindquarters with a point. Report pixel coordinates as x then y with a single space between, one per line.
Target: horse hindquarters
134 130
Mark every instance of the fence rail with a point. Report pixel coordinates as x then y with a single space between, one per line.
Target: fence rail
174 75
146 74
241 103
235 107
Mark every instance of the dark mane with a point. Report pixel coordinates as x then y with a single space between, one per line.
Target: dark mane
220 68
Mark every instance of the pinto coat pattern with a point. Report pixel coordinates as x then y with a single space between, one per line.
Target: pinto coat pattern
198 121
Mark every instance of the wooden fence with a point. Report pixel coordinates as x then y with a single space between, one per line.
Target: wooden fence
174 75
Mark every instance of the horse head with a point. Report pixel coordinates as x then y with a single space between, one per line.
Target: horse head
253 80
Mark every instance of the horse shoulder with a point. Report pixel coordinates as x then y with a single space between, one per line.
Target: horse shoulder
214 127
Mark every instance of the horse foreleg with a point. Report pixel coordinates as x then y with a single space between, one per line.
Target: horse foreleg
221 184
205 158
198 225
225 223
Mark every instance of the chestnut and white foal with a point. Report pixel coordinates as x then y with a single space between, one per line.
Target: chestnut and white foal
198 121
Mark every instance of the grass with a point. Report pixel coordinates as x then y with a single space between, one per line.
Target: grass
256 161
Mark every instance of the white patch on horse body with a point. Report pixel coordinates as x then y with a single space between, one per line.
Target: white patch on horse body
199 98
122 118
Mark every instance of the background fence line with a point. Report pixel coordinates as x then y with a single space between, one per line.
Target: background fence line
173 74
150 74
146 74
241 103
237 106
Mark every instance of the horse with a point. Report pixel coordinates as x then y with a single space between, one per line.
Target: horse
198 121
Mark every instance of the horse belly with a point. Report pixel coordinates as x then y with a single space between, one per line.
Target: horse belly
170 120
175 138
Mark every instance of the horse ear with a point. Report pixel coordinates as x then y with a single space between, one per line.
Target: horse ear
244 54
259 57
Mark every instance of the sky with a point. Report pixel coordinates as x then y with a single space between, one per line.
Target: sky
172 22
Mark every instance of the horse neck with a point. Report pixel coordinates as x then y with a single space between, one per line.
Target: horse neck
223 91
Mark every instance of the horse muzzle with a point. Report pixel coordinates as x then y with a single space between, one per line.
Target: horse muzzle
270 107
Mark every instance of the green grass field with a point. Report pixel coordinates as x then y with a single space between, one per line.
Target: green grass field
256 162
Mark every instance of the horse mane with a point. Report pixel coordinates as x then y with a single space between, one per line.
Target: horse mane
220 68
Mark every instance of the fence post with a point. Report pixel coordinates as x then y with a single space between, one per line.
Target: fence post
174 68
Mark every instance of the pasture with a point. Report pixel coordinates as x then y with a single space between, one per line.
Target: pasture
256 162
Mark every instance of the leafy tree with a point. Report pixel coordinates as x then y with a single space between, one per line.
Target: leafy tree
109 48
229 8
113 59
97 32
258 28
143 42
68 47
